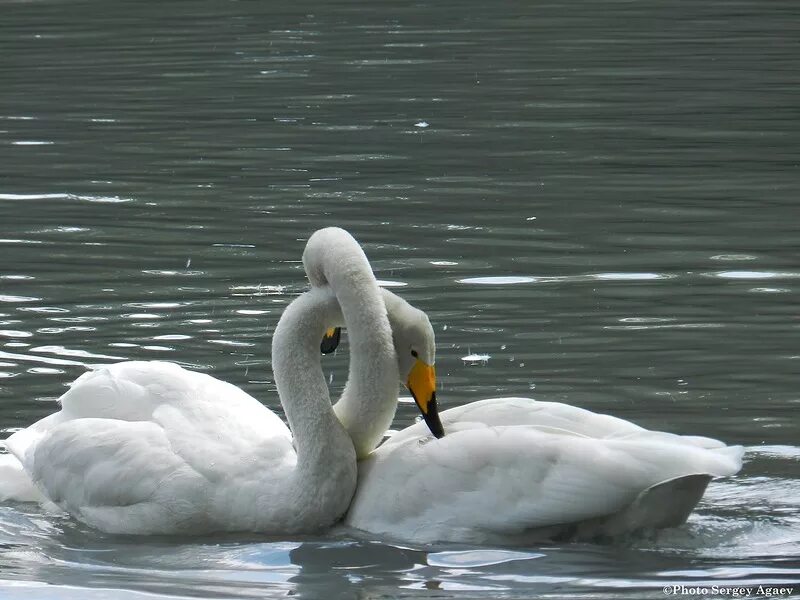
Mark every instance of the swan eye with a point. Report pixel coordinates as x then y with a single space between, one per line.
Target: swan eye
414 354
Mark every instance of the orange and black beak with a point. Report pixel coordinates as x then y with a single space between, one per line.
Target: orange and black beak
330 340
422 385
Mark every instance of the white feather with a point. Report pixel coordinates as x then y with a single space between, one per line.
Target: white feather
149 447
514 470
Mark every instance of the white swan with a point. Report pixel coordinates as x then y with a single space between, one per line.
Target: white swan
511 470
148 447
516 470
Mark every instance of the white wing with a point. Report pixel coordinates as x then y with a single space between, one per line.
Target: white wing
509 468
143 447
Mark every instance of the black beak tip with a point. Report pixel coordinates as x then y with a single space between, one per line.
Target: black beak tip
329 344
432 419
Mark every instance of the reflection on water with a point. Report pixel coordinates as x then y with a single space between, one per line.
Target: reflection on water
38 547
594 204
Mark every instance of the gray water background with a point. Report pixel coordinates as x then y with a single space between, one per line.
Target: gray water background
595 203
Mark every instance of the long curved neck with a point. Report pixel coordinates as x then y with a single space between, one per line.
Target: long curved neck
325 476
333 257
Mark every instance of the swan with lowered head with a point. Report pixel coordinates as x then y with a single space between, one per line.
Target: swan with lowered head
517 470
148 447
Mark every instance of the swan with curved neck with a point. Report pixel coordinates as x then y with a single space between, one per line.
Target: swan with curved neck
517 470
148 447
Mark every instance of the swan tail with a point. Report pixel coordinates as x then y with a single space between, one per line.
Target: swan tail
15 484
667 504
729 460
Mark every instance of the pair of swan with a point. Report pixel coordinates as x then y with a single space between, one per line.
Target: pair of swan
152 448
148 447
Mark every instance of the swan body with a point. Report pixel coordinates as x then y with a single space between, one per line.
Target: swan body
149 447
515 470
510 470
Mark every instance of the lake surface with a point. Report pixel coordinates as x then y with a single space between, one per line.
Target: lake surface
595 203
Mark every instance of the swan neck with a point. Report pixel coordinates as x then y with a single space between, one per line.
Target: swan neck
325 455
367 406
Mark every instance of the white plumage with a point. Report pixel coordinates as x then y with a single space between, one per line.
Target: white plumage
515 470
153 448
149 447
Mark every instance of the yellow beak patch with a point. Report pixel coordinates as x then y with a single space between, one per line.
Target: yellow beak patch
422 383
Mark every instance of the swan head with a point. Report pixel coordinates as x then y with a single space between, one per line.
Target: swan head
415 346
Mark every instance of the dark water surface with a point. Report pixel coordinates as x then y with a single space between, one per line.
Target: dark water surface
594 202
